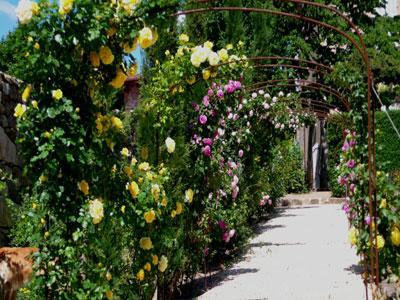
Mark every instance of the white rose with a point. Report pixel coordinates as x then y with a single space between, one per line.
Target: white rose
170 143
213 58
25 11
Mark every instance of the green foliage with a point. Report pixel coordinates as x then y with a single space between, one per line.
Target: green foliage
288 168
336 126
387 140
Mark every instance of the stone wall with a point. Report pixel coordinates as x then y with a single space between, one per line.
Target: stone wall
10 165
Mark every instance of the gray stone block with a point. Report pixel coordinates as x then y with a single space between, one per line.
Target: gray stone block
8 151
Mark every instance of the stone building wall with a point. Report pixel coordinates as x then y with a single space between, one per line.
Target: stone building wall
9 162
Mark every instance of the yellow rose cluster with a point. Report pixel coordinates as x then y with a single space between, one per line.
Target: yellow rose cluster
104 123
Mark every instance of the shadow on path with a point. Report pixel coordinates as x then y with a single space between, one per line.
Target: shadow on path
200 285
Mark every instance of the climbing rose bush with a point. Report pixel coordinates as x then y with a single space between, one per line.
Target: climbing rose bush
354 179
98 211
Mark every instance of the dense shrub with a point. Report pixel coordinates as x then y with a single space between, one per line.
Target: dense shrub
387 140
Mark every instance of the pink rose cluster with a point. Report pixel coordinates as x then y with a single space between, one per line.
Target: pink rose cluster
265 199
348 177
208 114
226 233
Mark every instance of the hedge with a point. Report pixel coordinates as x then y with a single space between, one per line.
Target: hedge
387 141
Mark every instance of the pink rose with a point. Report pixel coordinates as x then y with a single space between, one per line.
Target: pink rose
351 163
207 142
206 101
203 119
207 151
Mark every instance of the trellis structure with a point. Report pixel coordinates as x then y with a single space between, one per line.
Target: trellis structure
320 107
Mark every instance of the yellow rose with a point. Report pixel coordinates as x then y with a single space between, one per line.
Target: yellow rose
395 236
130 5
189 195
229 46
208 45
164 202
140 275
84 187
179 208
47 135
106 55
150 216
380 242
180 51
119 79
191 80
233 59
43 178
383 203
125 152
170 143
109 295
96 210
133 161
65 6
19 110
36 46
133 189
26 93
223 55
144 166
117 123
147 37
128 171
108 276
173 214
155 191
146 243
150 176
155 260
46 234
57 94
123 208
129 48
353 236
34 104
133 70
163 264
94 59
147 267
184 38
206 74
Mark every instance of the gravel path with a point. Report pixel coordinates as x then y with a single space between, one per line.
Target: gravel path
302 254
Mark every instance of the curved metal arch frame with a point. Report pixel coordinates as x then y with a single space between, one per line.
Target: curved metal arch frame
374 256
308 84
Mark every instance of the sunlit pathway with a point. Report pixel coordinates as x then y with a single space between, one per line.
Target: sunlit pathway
301 254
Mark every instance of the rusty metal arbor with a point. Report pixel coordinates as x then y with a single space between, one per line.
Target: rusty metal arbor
373 268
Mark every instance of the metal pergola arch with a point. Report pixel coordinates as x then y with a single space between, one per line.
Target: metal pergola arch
361 48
